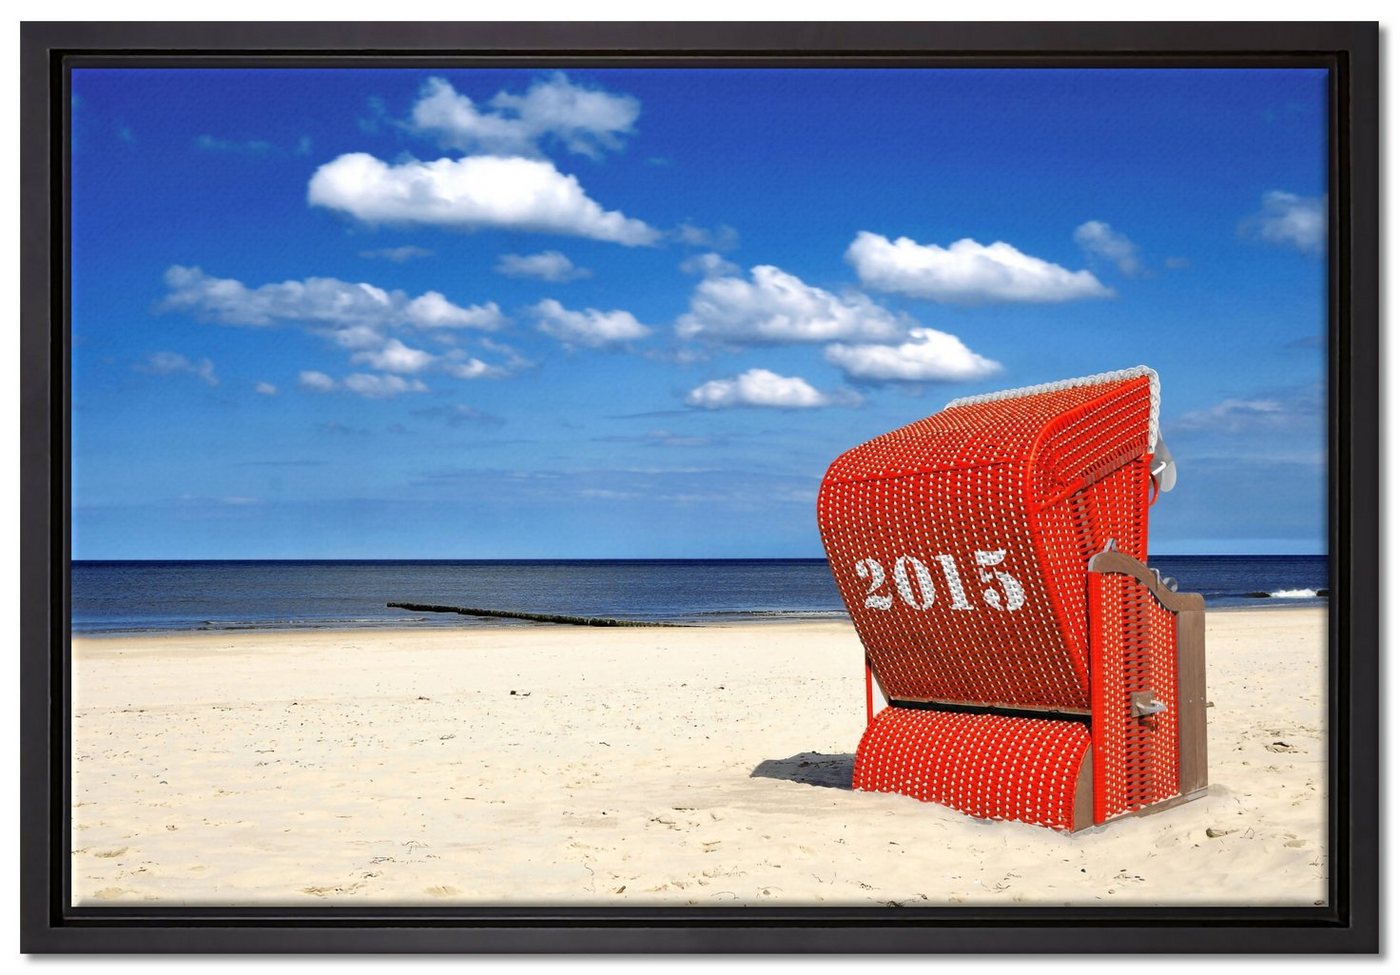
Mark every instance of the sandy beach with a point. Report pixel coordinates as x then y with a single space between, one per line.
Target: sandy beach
687 766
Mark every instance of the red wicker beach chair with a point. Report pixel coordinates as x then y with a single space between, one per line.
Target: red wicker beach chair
992 557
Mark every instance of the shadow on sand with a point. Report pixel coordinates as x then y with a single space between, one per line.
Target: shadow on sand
809 768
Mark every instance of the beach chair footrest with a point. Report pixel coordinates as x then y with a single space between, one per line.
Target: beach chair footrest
993 766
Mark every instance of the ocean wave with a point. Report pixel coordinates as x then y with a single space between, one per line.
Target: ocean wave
776 613
308 623
1296 594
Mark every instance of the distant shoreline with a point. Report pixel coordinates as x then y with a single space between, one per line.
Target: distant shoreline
396 629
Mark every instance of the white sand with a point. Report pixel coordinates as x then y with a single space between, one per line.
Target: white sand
638 766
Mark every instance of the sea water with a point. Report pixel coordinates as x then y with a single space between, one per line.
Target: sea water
125 597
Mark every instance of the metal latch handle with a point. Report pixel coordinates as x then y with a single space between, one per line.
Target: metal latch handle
1143 703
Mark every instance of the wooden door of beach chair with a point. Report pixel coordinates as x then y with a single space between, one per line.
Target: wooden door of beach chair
992 557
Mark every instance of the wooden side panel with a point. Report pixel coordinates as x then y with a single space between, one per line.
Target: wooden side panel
1084 793
1183 639
1191 699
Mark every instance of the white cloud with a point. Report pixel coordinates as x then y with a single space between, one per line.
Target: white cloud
465 366
477 191
589 327
966 272
546 266
585 121
265 389
355 317
1289 219
399 255
173 363
317 382
1098 239
927 356
394 356
325 302
721 238
1234 415
762 387
382 387
470 367
775 306
709 265
432 310
368 385
356 336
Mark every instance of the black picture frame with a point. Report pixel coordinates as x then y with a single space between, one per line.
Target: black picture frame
1350 922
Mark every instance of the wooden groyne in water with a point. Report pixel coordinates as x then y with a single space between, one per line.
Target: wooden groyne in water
532 617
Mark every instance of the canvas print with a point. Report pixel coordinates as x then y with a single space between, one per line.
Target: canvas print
698 486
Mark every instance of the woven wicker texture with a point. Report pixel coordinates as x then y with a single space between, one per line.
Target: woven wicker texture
960 542
1134 650
986 765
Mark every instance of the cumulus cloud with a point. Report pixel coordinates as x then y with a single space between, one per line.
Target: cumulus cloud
1098 239
966 272
355 317
470 367
265 389
368 385
432 310
173 363
709 265
399 255
325 302
1290 220
589 327
546 266
764 388
503 192
926 356
721 238
555 110
773 306
462 365
317 382
394 356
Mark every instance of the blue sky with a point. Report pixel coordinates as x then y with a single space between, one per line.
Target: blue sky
635 313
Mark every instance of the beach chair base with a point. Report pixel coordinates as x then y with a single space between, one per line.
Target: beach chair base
989 766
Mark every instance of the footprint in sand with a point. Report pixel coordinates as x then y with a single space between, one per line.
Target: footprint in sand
111 893
442 890
108 854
